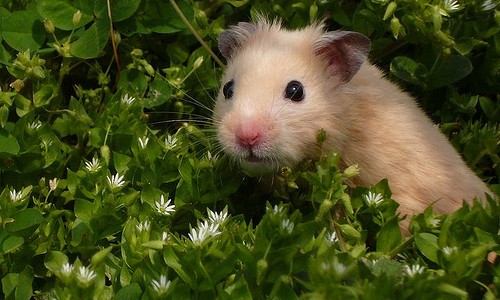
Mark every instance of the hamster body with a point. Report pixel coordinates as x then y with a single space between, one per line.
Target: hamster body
282 87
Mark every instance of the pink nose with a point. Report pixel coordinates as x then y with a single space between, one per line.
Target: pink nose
249 135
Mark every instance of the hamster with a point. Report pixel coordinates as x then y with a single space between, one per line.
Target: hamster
281 87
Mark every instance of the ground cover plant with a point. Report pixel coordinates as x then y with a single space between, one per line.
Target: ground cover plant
112 185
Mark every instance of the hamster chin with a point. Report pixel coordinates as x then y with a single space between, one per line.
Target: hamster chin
258 167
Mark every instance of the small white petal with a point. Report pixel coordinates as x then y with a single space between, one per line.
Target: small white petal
93 166
374 199
413 270
85 275
143 142
161 286
127 99
163 207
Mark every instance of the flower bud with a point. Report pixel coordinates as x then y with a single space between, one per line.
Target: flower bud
395 27
136 52
149 69
262 267
117 37
105 153
351 171
389 11
17 85
49 26
38 72
197 63
77 16
444 39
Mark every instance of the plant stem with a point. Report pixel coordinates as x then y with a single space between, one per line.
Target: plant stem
196 35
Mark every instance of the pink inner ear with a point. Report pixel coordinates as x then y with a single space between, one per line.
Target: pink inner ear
345 52
337 65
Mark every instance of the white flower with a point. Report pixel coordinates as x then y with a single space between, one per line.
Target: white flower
155 93
53 184
197 235
161 286
277 209
331 237
413 270
217 218
449 6
212 158
143 226
488 5
170 142
67 269
85 275
449 250
163 207
164 236
45 144
287 225
373 199
126 99
211 228
204 231
338 268
433 222
115 181
93 166
15 196
34 125
143 142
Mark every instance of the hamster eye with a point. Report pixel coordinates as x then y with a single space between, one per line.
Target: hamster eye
227 90
294 91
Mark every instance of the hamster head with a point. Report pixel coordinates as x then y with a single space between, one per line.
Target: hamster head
278 91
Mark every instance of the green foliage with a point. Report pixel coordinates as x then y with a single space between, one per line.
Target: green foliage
112 185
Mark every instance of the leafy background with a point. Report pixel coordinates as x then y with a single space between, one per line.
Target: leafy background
113 185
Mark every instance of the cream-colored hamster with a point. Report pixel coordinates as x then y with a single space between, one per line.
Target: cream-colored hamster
282 87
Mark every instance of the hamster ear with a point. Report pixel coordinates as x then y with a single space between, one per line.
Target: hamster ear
345 52
233 38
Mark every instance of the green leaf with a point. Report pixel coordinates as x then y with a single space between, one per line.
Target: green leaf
54 260
24 219
92 41
20 282
427 243
121 162
100 256
23 31
9 283
389 236
133 82
409 70
124 9
61 13
131 291
44 95
8 143
449 70
174 262
24 289
237 290
11 244
162 18
159 93
349 230
84 210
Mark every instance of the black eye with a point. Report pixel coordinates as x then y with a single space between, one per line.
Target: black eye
294 91
227 90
